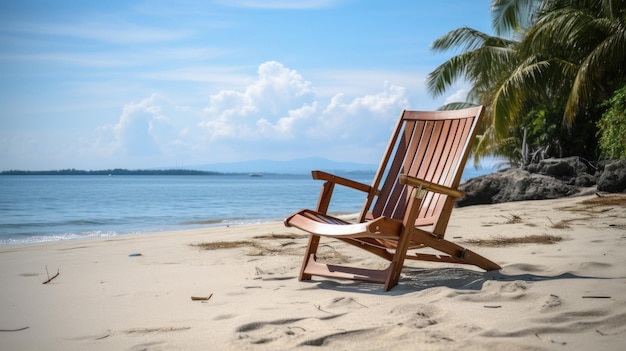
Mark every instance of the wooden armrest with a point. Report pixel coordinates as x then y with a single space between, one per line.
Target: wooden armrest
321 175
430 186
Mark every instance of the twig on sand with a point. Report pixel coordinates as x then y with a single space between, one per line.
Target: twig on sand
319 307
596 297
603 334
514 219
155 330
201 298
13 330
549 340
50 279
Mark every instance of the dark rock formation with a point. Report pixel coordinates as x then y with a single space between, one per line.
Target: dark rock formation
613 178
566 169
513 184
548 179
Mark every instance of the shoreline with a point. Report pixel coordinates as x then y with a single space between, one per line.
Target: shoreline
98 234
572 292
195 226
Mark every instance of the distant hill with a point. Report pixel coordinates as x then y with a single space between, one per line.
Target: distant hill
297 166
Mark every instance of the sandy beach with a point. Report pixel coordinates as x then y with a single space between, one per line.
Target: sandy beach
236 288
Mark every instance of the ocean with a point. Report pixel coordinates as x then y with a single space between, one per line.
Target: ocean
37 208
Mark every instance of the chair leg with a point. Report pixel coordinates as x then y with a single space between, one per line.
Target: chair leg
314 240
397 263
311 248
457 252
405 238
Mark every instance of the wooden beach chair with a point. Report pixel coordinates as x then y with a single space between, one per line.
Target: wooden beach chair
408 205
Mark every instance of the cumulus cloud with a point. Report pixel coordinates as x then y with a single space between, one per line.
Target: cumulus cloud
276 116
276 99
280 110
142 131
135 130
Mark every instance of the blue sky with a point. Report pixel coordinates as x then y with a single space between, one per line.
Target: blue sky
144 84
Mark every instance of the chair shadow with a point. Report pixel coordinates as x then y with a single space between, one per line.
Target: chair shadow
418 279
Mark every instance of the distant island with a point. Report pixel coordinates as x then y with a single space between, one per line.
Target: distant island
297 166
112 172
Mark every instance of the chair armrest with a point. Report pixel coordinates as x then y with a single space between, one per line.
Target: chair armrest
430 186
321 175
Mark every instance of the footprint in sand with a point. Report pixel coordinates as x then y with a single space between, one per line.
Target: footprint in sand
499 292
417 316
551 303
264 332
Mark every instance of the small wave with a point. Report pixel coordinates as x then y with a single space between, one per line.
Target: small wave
204 222
51 224
228 221
35 239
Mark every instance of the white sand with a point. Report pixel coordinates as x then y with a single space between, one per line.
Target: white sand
566 296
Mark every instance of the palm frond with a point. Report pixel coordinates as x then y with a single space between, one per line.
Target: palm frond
511 15
510 97
447 73
610 50
479 65
464 39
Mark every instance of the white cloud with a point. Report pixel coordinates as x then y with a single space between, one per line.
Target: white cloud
278 115
458 96
142 131
277 93
361 118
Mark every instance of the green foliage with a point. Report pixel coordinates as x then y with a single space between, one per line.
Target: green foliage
612 126
543 85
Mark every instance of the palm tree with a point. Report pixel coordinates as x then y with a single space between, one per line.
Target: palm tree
562 57
586 41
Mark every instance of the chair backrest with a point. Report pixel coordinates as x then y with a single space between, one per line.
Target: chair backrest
430 145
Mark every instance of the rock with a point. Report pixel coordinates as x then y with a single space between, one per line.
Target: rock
585 180
513 184
548 179
613 177
562 168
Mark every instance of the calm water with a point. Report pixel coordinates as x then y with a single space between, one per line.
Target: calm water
50 208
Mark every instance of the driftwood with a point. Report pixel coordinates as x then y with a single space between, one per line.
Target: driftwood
49 278
201 298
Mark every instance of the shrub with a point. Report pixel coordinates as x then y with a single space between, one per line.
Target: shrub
612 126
